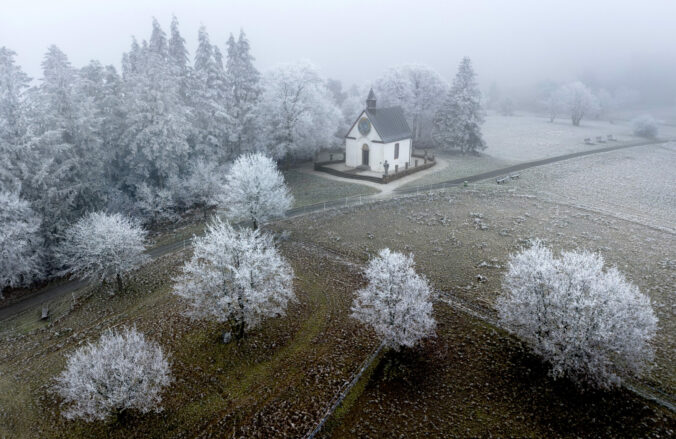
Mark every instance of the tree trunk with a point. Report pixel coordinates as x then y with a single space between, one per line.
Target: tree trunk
255 223
119 282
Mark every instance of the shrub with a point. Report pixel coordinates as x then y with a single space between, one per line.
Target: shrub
645 126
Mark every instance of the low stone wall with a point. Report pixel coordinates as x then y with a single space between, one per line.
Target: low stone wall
322 167
409 171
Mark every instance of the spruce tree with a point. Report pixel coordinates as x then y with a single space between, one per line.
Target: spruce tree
13 123
210 119
244 86
457 124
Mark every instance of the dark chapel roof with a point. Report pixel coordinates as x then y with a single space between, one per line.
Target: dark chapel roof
390 123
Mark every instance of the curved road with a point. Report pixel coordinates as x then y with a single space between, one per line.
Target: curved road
35 301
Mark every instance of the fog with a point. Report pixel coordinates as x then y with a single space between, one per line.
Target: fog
516 44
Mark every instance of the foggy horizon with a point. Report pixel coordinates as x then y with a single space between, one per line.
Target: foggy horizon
516 46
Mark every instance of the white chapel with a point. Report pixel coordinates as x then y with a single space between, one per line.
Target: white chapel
378 136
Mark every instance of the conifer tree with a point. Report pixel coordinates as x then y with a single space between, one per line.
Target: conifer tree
457 123
210 119
13 123
244 86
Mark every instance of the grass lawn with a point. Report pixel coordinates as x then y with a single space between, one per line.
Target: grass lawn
475 381
460 166
276 382
309 189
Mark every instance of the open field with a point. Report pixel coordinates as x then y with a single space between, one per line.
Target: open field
526 137
275 383
459 234
638 184
474 381
308 189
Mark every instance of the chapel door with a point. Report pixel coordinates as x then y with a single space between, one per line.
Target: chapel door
365 155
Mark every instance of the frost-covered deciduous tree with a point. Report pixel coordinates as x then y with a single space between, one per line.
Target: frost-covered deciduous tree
296 115
418 89
255 189
236 277
396 303
244 93
554 103
101 246
578 101
591 325
21 243
123 371
457 123
645 126
205 185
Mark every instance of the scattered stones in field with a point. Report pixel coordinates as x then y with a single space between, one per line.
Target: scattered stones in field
478 221
492 264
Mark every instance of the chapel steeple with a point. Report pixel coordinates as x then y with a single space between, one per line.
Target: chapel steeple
371 101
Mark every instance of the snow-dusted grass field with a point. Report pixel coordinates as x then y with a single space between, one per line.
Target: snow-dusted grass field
461 233
274 383
308 189
638 183
526 137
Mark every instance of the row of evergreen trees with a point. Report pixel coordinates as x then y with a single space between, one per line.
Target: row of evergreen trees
89 139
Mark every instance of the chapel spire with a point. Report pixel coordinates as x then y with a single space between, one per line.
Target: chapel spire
371 101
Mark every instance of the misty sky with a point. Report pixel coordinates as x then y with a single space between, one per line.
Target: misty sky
515 42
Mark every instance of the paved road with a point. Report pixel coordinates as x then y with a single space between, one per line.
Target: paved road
34 302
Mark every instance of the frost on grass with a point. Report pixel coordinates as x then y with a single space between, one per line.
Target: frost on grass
122 371
101 246
591 325
396 303
236 276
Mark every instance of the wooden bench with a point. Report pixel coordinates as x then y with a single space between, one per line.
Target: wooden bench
501 180
599 139
515 176
588 141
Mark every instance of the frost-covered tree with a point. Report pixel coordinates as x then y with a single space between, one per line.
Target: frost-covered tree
645 126
296 115
62 161
155 140
244 93
21 243
13 117
554 102
418 89
210 96
236 277
205 186
578 101
457 123
101 246
255 189
591 325
397 302
123 371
